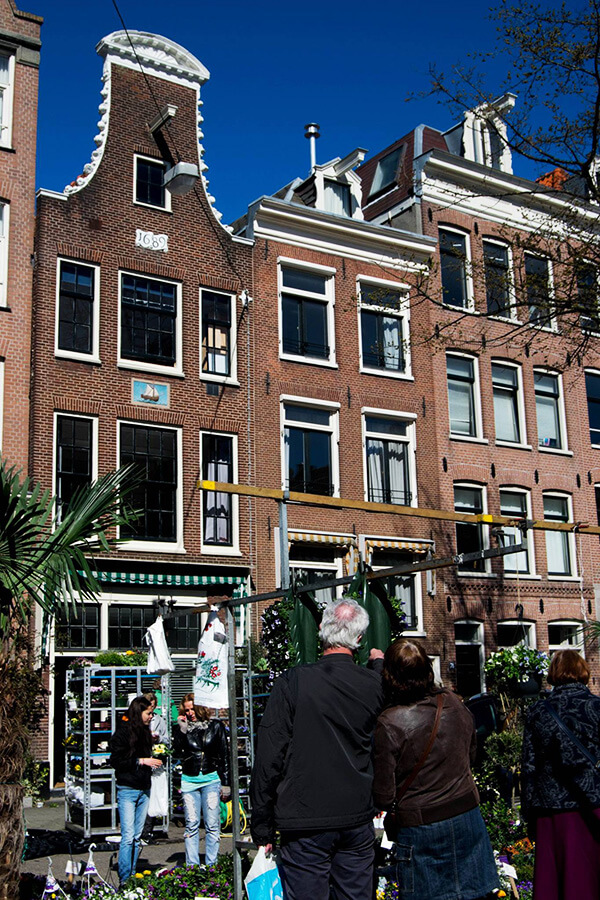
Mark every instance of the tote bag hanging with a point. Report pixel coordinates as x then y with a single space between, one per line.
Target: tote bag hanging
159 658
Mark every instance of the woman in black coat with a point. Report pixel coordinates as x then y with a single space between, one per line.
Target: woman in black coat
560 797
131 758
201 742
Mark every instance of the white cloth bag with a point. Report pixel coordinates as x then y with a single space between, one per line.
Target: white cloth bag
210 684
159 658
159 793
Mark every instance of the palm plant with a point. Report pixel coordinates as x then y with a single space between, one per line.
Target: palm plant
46 559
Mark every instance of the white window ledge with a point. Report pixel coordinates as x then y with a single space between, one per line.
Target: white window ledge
309 361
384 373
514 446
148 369
555 451
467 439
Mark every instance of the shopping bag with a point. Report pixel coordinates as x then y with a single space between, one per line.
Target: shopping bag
159 794
159 658
210 684
263 881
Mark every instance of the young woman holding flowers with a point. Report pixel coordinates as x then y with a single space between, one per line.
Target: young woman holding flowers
424 741
201 742
131 758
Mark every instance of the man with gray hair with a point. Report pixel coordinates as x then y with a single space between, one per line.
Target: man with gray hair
312 774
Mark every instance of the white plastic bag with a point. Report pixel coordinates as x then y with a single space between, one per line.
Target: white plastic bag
263 881
159 658
210 684
159 793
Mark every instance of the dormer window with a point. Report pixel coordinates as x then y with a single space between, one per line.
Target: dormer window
337 197
385 173
148 183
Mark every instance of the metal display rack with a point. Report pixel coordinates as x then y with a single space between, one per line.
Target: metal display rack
96 697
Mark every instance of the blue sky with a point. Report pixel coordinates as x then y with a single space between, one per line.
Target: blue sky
274 66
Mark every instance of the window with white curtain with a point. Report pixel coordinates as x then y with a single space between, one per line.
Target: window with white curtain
508 409
389 457
549 411
218 464
384 328
338 199
515 504
560 548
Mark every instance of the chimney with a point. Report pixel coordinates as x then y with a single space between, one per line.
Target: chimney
311 131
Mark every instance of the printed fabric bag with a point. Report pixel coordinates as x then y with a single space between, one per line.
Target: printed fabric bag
263 881
159 658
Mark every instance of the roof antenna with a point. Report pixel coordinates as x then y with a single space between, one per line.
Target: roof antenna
311 131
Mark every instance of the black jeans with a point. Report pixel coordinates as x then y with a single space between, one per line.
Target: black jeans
323 864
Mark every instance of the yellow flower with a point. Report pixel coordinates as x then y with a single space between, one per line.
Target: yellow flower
138 875
129 653
147 872
501 894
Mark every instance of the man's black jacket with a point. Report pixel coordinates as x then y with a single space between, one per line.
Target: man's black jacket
312 769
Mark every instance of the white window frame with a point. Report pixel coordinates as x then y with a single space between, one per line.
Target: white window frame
579 646
157 162
512 297
6 124
562 419
485 531
313 566
94 355
551 326
480 642
157 546
469 288
333 430
518 536
137 365
4 244
529 626
328 299
62 413
232 378
417 580
596 374
570 536
402 314
217 549
582 317
410 441
476 388
522 421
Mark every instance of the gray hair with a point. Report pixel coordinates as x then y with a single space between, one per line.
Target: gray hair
343 623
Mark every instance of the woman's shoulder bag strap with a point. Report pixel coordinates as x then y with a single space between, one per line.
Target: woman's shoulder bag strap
581 747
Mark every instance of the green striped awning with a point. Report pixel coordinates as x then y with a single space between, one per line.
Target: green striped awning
168 579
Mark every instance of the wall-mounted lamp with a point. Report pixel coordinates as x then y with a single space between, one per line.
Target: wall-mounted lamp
181 178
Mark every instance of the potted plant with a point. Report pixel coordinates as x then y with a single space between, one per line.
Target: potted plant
35 781
516 671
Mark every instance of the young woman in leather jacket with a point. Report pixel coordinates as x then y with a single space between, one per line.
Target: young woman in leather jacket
201 743
424 742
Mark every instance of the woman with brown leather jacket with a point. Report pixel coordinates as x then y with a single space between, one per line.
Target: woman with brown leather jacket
201 743
424 743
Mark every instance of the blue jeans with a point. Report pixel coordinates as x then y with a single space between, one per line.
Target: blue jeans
205 800
133 805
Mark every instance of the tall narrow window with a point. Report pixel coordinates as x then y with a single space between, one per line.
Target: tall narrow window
383 328
305 313
387 443
559 550
154 452
468 638
308 433
469 537
148 320
513 505
453 263
74 460
548 410
216 333
507 411
7 63
587 296
497 278
592 388
217 465
76 292
539 294
462 401
4 231
149 188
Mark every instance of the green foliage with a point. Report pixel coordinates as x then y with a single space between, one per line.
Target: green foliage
35 778
181 883
128 658
507 668
280 652
501 824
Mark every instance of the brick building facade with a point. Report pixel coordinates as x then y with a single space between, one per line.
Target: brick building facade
141 356
19 70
